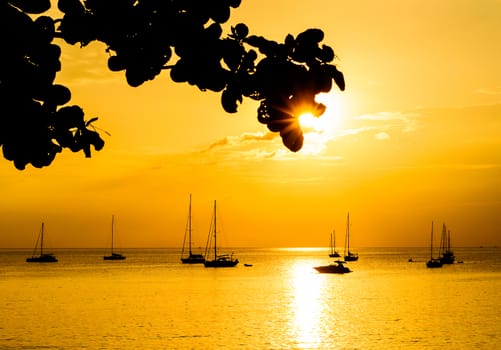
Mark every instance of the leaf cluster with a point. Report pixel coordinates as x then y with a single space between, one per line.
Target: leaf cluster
35 125
144 38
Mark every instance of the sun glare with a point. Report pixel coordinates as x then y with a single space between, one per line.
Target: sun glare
318 131
311 123
331 120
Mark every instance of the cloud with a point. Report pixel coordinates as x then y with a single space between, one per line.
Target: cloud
257 146
243 140
247 146
495 91
382 125
382 136
268 145
86 65
406 122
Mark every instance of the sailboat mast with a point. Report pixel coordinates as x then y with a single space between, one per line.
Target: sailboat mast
348 232
333 240
449 240
332 249
431 245
215 245
112 229
189 227
41 241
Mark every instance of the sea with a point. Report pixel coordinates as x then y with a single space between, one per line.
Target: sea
273 299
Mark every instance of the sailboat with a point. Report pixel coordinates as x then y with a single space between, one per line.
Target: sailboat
219 260
113 256
333 253
43 257
445 253
348 255
191 258
433 262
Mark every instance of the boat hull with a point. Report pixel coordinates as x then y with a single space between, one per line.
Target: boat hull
339 269
351 257
45 258
114 256
221 262
448 258
193 259
433 263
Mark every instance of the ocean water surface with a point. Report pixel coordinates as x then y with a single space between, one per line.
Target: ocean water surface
152 301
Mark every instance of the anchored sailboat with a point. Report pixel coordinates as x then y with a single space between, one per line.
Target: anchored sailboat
43 257
219 260
191 258
333 253
113 256
446 254
433 262
348 255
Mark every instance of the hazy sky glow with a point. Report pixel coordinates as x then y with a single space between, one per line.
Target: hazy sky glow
415 137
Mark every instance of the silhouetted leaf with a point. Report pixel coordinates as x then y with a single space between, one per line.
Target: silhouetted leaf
59 95
338 78
32 6
229 99
240 31
90 121
292 137
70 6
311 35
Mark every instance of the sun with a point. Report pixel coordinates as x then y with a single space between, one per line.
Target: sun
330 121
319 131
310 123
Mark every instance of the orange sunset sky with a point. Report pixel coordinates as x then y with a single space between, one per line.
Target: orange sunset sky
415 137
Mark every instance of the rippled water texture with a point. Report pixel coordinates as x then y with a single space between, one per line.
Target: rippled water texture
152 301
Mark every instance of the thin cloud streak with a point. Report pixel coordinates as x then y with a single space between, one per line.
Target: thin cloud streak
317 143
407 122
495 91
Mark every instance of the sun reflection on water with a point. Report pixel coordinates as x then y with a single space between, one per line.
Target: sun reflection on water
306 306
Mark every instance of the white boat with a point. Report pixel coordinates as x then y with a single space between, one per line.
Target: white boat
113 255
43 257
191 258
225 260
348 255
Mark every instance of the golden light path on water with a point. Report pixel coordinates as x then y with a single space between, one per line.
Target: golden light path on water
307 305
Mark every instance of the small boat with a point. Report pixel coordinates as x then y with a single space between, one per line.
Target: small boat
335 267
219 260
248 265
113 255
43 257
446 253
333 253
433 262
191 258
348 255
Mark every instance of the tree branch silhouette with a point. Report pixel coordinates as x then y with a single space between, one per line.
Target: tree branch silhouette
144 38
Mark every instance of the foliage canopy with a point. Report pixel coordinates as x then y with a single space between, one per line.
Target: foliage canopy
144 38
